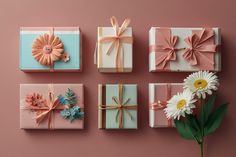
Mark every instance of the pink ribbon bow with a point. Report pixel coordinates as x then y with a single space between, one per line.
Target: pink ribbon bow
117 40
47 114
46 110
165 48
201 47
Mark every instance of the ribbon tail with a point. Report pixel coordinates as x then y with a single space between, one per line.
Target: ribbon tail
39 118
190 57
119 58
124 26
126 101
117 114
129 114
121 119
49 120
206 58
114 24
109 50
161 61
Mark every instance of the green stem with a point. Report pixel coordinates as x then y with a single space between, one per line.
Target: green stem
201 146
202 129
202 125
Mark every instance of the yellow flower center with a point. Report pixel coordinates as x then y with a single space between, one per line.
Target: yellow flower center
200 84
181 104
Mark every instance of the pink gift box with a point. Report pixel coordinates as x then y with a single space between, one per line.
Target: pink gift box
28 116
159 94
184 49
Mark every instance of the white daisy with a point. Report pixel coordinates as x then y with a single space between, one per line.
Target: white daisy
201 82
180 104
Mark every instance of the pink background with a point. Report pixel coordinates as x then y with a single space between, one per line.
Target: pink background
88 15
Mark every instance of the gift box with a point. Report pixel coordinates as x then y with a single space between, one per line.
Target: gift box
48 49
159 94
184 49
117 106
114 52
51 106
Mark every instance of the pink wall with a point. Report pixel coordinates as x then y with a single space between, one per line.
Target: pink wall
88 15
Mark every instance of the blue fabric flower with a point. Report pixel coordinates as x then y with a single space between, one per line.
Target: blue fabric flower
72 113
62 100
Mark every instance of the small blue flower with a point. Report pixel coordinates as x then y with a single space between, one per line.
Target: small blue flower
72 113
62 100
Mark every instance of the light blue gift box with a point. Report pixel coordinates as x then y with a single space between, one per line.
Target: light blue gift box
71 39
108 120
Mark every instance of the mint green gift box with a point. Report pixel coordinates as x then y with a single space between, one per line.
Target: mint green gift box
117 110
71 39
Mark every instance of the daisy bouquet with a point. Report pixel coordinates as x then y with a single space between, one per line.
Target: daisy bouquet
193 110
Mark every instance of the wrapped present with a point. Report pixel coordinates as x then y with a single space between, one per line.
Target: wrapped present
184 49
48 49
159 94
114 49
117 106
51 106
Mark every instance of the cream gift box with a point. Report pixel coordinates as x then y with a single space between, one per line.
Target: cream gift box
114 50
159 94
48 49
51 106
184 49
117 106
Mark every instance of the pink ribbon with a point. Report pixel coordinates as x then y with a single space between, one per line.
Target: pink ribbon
165 48
46 111
117 40
160 105
201 49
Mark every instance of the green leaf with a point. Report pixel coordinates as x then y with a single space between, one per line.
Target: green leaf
193 122
209 105
194 126
183 130
206 109
71 97
215 119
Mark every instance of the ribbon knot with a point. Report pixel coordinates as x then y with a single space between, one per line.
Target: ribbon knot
117 40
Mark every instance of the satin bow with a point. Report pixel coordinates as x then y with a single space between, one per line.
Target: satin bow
117 40
46 111
121 107
165 47
49 110
201 43
158 105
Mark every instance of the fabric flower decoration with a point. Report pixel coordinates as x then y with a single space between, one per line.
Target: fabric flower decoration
72 113
180 104
47 49
35 99
201 83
